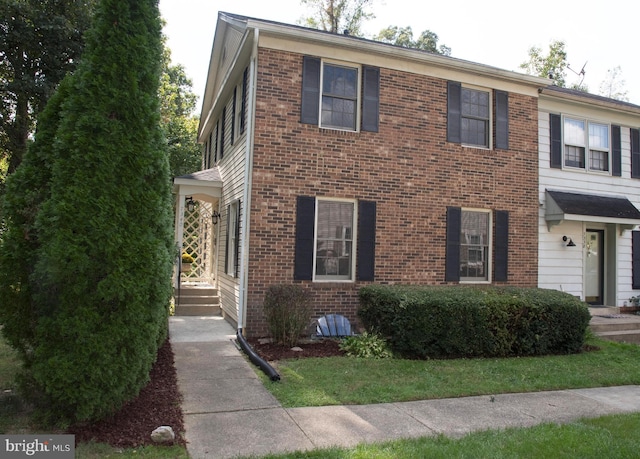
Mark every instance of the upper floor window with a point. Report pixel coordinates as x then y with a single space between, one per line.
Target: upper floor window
586 144
475 117
340 96
471 120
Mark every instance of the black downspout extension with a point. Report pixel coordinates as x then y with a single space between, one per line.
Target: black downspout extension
256 359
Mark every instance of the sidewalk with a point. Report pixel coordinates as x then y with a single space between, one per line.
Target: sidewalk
228 412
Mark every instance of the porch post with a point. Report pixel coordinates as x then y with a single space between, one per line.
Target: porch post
179 234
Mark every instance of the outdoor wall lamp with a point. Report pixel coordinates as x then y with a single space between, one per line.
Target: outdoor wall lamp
570 243
215 217
191 205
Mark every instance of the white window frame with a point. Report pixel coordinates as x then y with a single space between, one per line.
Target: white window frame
358 101
489 120
585 144
487 247
341 252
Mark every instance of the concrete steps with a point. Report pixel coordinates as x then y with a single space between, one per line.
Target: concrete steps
197 300
608 323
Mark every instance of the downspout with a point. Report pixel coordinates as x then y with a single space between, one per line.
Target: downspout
248 169
244 252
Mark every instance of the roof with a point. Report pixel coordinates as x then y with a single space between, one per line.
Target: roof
589 207
594 99
208 175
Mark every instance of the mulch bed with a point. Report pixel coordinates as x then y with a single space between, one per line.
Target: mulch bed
158 404
313 348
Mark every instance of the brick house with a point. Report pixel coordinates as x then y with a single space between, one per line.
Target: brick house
334 162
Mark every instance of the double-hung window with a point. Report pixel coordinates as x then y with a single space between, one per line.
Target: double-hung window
339 97
475 232
335 221
475 117
586 145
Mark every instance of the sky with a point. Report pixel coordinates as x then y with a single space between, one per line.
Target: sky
598 36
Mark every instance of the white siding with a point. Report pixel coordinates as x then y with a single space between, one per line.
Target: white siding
561 267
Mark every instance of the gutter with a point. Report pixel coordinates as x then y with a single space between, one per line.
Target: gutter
256 359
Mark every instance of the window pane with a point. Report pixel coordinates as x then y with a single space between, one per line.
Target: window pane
574 132
599 136
340 113
475 103
334 240
599 160
474 245
475 132
574 156
340 81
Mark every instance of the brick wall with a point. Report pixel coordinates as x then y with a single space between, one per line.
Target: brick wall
408 168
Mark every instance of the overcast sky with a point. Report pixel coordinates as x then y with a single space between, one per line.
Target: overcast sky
599 35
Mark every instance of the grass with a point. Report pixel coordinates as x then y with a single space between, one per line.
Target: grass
345 381
609 436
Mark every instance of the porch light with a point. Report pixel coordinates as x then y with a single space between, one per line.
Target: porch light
571 243
215 217
191 205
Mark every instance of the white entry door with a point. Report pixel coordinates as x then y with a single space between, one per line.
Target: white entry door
594 267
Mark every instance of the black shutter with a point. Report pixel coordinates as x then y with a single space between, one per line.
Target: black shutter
243 109
310 90
502 246
223 122
452 264
305 222
635 260
226 245
635 153
370 98
616 151
215 144
236 267
366 241
502 120
555 128
233 115
454 111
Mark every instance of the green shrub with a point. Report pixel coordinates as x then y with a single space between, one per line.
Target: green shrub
288 313
463 321
367 345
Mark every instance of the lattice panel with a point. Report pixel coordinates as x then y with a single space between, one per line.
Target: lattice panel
198 242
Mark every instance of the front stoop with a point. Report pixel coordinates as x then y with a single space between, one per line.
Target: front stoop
196 300
609 324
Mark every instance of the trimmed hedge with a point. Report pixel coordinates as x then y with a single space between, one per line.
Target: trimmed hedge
460 321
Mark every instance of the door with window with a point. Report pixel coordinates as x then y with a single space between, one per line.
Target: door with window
594 267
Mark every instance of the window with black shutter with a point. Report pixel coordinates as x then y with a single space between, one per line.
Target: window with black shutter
501 244
635 153
616 151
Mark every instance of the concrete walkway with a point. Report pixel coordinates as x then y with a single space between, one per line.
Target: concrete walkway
229 413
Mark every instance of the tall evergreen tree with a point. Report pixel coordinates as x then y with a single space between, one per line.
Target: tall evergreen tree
101 284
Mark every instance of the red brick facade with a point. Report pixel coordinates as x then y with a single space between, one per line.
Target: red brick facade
408 168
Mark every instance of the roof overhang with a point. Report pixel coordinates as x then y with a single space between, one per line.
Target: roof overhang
564 206
203 185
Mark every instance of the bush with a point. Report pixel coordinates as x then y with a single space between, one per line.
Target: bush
288 313
460 321
367 345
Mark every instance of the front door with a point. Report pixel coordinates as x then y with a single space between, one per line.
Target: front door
594 267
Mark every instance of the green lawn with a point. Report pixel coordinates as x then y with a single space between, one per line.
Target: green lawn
344 380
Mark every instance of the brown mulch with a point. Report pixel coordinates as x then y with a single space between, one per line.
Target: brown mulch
158 404
313 348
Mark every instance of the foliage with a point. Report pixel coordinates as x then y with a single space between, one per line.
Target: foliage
91 330
552 65
613 85
187 258
180 125
40 42
338 16
403 36
460 321
367 345
288 312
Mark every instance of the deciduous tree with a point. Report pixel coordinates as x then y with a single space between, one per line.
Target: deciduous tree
403 36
